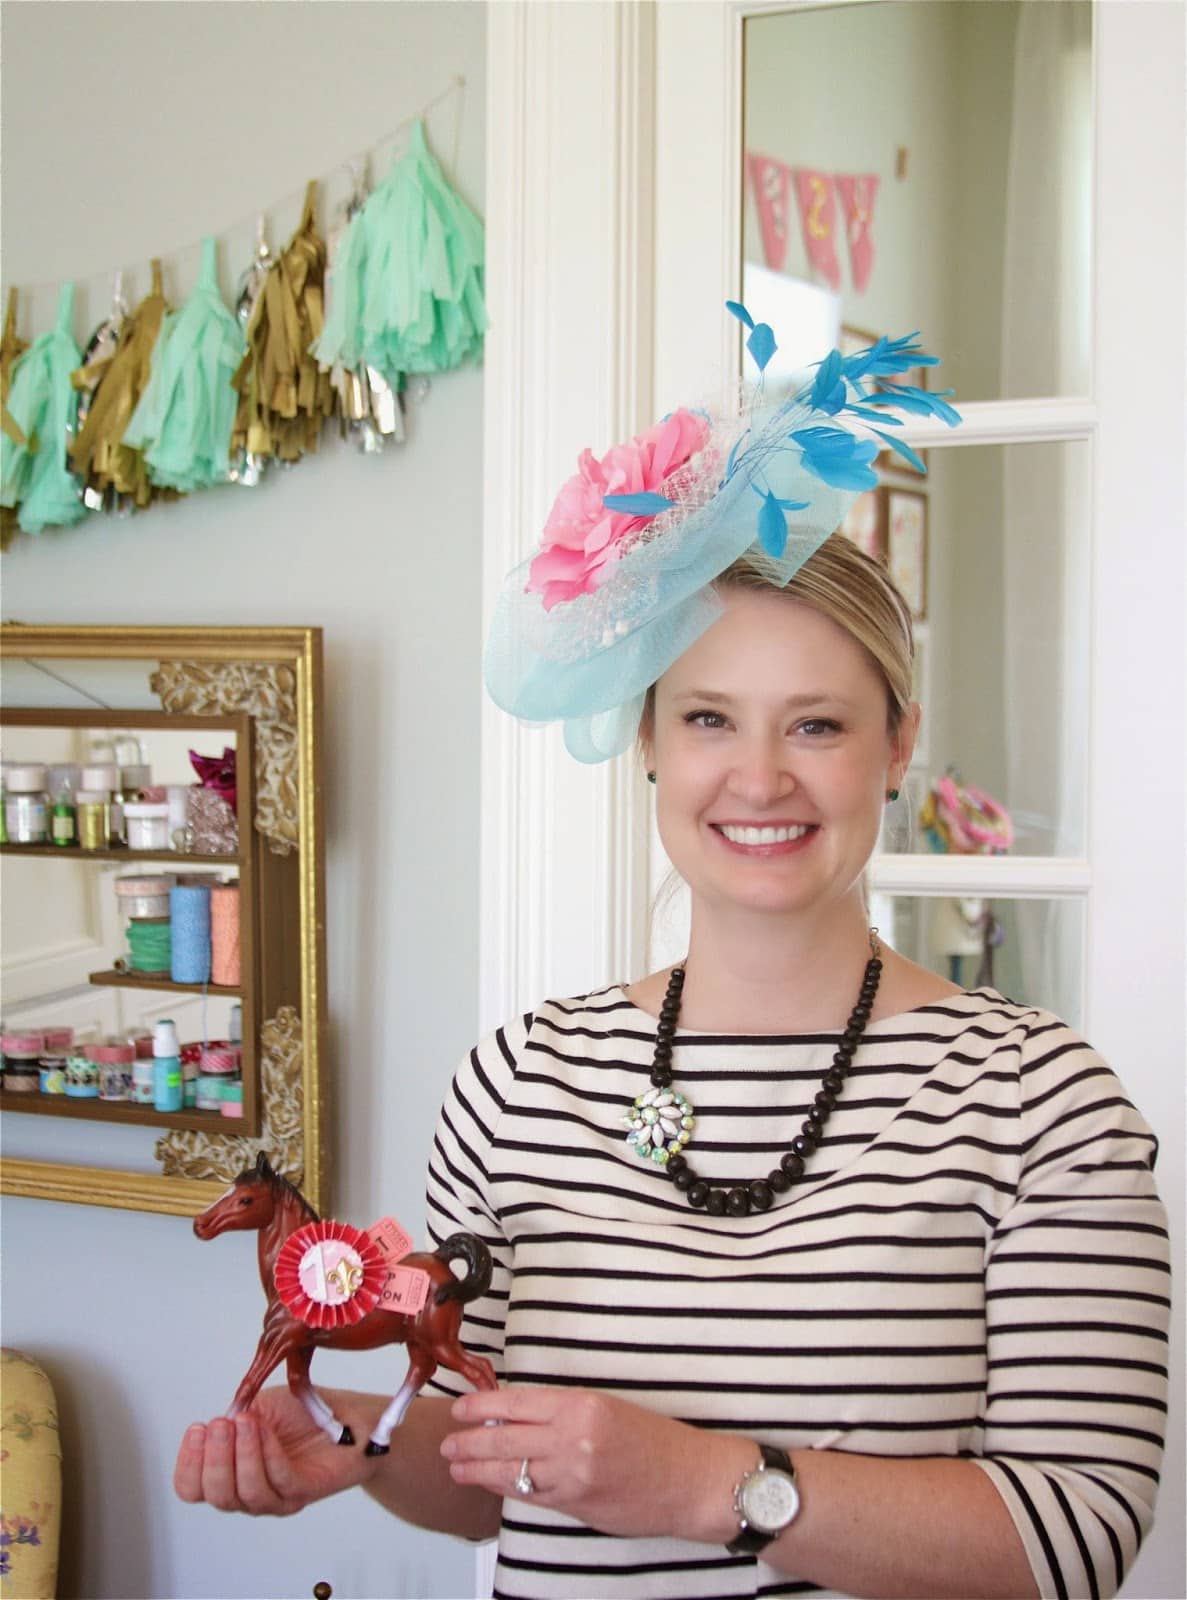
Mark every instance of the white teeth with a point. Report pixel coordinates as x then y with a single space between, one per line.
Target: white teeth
764 835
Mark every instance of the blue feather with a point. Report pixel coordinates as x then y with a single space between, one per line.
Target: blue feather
902 449
772 526
638 505
829 393
906 397
761 345
837 458
737 309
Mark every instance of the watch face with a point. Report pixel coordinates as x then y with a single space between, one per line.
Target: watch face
769 1501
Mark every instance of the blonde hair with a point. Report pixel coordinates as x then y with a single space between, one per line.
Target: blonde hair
852 590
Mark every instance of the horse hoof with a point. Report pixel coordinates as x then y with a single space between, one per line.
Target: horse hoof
374 1449
345 1437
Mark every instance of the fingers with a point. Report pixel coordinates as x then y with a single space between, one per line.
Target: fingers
508 1405
236 1466
511 1443
187 1474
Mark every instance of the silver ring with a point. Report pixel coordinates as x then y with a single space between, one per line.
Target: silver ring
523 1483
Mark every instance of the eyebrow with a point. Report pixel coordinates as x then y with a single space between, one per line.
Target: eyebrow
814 697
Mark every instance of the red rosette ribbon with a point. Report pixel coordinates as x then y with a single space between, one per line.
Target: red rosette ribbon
329 1274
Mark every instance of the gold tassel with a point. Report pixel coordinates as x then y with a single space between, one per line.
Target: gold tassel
11 347
98 454
284 395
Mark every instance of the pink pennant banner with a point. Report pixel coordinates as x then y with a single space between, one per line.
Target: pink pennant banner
818 220
772 195
858 195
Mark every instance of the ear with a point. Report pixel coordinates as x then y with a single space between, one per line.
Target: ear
902 745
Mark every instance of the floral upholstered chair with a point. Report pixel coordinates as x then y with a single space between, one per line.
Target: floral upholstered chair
30 1480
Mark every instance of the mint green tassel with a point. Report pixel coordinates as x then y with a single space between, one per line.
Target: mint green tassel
183 420
407 289
34 476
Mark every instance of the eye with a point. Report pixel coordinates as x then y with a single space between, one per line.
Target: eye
819 727
705 719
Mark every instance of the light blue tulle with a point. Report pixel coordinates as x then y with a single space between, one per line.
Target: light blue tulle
792 472
34 476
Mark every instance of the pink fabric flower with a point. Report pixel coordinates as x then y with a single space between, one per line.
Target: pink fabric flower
583 538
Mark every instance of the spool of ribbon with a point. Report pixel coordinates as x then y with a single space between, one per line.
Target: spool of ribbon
224 935
190 914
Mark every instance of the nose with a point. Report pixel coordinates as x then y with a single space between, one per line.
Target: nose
762 772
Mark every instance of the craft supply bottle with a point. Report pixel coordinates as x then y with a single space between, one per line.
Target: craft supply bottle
166 1067
94 818
26 805
3 813
63 823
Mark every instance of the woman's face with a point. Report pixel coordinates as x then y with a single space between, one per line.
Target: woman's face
772 757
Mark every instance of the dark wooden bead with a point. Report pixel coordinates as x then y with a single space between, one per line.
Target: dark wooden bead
812 1127
833 1081
663 1050
851 1037
824 1102
778 1180
737 1202
762 1194
715 1204
698 1193
683 1180
861 1011
661 1080
803 1144
792 1163
676 1164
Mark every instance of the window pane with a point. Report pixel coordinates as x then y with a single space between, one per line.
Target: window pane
1029 950
916 164
995 557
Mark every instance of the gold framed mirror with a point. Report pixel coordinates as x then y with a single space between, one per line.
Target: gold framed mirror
72 696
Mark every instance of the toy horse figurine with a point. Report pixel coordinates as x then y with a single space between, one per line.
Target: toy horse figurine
260 1198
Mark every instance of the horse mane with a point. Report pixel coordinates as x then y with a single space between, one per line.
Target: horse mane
264 1169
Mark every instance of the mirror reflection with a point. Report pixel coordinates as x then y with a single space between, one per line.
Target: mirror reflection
948 188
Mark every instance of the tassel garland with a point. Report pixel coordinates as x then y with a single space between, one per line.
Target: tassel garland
165 402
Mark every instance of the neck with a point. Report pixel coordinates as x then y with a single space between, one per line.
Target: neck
287 1217
768 974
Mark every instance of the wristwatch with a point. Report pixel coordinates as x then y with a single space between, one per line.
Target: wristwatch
766 1501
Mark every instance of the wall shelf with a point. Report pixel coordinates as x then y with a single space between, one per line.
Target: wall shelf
147 980
73 852
61 1105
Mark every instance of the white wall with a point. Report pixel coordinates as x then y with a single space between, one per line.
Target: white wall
131 130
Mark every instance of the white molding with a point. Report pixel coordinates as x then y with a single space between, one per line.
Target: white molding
568 364
998 877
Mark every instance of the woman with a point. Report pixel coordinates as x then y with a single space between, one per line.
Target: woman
811 1268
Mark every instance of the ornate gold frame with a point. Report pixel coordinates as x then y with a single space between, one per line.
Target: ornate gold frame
299 649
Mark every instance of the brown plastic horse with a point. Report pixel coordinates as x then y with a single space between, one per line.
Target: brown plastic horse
261 1198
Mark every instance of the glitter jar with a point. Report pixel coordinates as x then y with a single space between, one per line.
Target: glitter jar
26 805
93 808
147 825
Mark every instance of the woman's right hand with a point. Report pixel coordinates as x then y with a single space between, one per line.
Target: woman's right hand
271 1460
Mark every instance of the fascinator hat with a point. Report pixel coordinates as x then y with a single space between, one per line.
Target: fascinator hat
622 583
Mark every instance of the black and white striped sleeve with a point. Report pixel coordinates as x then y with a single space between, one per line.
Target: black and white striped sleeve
457 1197
1077 1310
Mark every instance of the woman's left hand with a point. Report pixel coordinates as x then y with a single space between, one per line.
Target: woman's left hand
608 1464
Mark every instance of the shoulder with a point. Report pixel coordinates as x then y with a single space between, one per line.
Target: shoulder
571 1025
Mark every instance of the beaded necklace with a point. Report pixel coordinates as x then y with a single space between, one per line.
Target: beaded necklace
660 1121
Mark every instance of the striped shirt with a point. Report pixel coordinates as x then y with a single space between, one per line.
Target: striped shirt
974 1264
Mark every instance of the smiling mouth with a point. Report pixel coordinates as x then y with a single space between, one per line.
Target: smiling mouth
766 835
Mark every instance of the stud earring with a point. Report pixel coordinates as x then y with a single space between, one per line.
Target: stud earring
651 777
892 794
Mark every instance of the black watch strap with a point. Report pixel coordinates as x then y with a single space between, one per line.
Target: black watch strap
750 1541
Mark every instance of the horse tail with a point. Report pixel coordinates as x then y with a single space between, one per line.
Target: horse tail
478 1268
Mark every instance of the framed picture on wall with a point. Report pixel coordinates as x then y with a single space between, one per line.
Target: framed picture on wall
906 545
865 524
